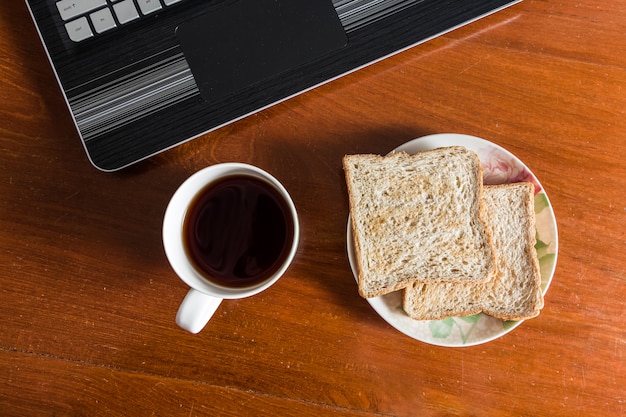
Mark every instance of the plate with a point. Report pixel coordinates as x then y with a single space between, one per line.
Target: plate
499 167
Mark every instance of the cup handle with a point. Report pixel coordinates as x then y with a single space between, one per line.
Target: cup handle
196 310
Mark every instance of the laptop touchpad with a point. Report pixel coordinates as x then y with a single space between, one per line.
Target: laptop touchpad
247 41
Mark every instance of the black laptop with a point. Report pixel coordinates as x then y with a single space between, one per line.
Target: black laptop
142 76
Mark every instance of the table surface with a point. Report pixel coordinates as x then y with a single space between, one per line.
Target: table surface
88 300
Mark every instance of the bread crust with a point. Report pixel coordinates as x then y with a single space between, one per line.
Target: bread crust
356 242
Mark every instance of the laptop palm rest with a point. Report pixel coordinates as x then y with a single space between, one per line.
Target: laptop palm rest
247 41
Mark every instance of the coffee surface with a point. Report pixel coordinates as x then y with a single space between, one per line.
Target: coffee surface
238 231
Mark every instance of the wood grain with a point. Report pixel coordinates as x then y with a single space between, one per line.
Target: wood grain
88 300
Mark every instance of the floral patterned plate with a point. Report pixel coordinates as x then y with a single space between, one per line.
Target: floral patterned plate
499 167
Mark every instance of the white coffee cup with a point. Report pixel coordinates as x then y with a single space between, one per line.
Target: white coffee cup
205 295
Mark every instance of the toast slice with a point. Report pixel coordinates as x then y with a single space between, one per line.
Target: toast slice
515 291
417 217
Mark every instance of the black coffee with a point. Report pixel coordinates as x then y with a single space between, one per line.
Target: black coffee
238 231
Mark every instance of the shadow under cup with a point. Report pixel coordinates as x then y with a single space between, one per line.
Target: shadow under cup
230 231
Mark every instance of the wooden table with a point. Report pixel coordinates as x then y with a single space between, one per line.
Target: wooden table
87 298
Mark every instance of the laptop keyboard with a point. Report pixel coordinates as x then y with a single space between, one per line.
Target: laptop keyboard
85 19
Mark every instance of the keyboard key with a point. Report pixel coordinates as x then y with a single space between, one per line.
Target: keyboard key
102 20
149 6
78 13
69 9
79 30
126 11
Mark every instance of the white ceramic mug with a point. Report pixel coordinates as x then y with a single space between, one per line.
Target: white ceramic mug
205 296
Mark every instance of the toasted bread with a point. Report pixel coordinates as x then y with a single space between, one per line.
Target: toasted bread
515 291
417 217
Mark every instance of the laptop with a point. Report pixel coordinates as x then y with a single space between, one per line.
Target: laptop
142 76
